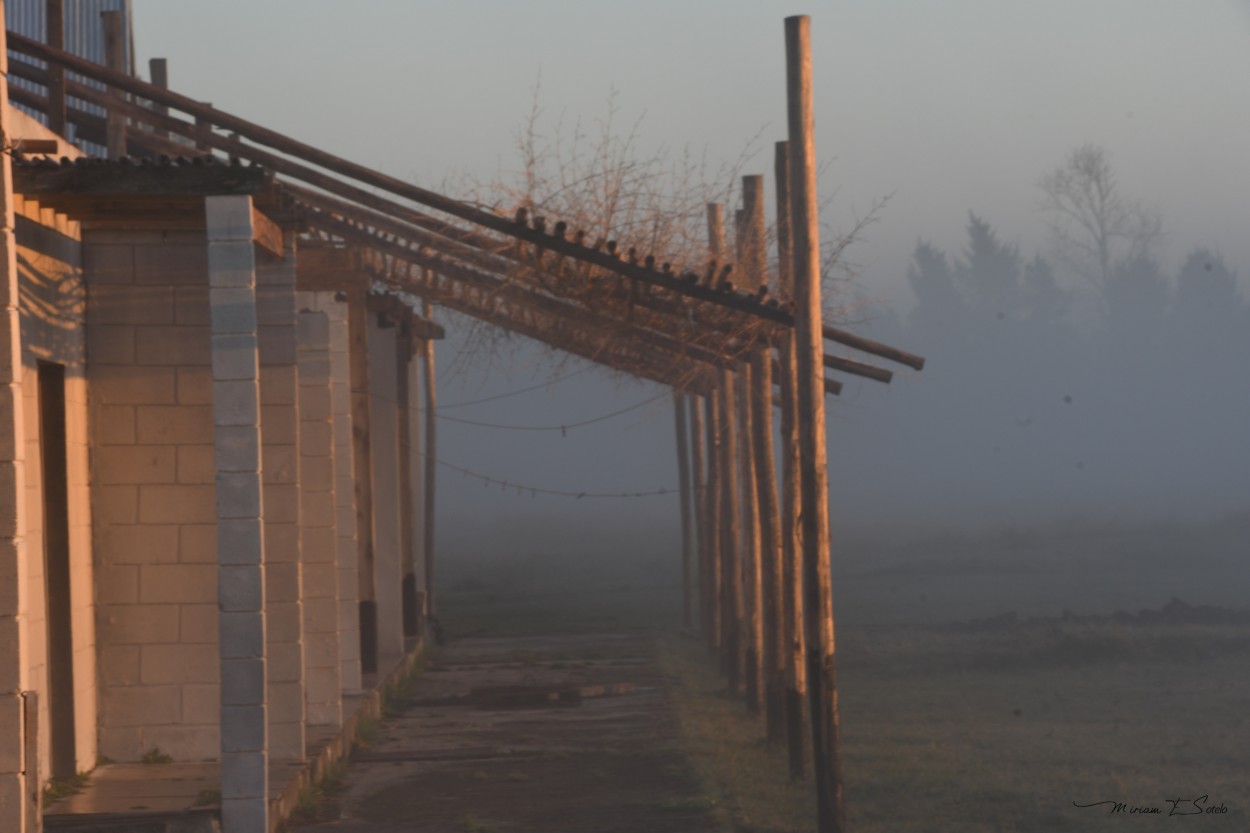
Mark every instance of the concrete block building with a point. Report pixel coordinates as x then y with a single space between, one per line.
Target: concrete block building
212 524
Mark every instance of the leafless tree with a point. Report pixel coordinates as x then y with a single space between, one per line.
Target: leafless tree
1095 226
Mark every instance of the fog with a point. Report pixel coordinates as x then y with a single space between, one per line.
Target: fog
1057 397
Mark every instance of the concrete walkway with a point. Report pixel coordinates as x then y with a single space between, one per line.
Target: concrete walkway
552 734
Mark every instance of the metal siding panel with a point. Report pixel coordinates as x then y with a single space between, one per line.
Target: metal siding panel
84 37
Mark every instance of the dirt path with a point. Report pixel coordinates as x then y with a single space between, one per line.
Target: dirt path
541 735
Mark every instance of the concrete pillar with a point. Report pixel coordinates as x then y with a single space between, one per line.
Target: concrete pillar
279 384
14 775
384 442
318 534
344 487
240 525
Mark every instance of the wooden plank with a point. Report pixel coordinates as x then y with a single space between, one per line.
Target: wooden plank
791 546
814 478
508 227
266 234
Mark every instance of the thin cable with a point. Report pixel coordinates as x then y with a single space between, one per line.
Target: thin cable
521 489
561 428
548 383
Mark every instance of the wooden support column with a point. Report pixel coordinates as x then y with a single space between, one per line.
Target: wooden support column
773 652
751 240
431 460
358 350
158 70
710 576
731 535
699 488
683 486
55 38
791 575
814 478
752 625
115 59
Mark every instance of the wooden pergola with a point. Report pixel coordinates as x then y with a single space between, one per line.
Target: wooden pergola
731 347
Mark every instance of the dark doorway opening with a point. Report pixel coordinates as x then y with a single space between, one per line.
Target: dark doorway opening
53 453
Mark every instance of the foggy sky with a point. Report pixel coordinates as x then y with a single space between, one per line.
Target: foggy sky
946 107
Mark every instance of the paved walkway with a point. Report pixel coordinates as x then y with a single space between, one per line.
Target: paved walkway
533 735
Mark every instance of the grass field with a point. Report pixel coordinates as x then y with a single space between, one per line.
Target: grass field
995 715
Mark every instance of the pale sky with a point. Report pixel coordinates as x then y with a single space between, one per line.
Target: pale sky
948 107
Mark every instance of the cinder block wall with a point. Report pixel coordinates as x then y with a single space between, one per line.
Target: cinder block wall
153 493
52 318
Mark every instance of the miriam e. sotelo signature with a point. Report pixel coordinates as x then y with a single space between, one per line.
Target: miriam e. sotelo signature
1176 807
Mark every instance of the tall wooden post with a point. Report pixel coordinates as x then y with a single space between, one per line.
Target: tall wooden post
749 240
699 487
683 485
715 522
791 574
772 656
115 59
404 348
56 73
158 70
752 627
814 477
431 461
730 568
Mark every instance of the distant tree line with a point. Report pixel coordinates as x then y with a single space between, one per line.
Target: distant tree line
1088 380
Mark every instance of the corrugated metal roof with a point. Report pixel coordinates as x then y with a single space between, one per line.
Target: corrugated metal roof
84 36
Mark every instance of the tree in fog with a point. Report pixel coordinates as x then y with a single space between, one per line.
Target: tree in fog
1207 300
989 272
1095 226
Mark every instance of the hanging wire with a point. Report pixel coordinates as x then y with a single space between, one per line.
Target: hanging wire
515 392
561 428
521 488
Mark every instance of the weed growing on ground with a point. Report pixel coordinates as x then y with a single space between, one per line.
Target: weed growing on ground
155 756
59 788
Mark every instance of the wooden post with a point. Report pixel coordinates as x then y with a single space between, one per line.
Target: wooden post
752 625
158 69
700 499
431 461
730 569
791 575
56 73
752 236
683 485
115 59
715 522
772 655
358 349
814 477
